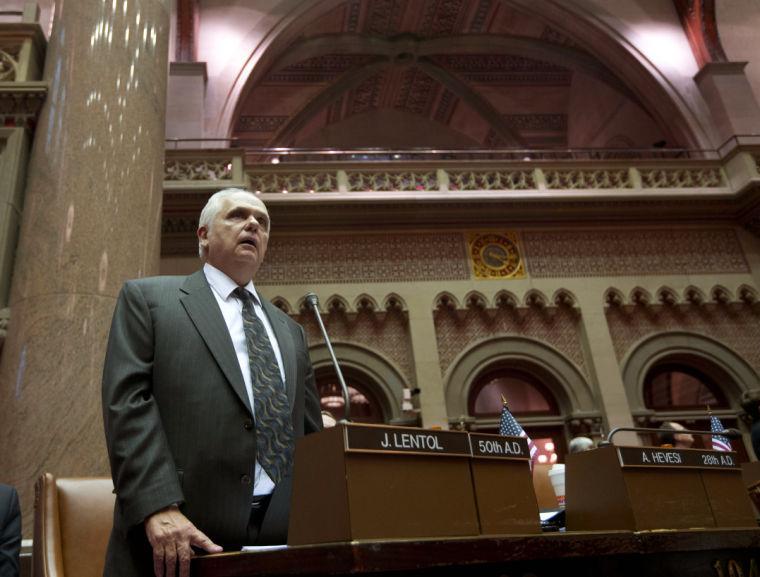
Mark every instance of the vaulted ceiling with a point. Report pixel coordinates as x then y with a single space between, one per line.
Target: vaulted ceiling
441 73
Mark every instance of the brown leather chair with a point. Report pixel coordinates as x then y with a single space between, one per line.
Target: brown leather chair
72 523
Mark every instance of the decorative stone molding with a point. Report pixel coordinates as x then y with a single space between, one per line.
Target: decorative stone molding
492 180
312 259
690 296
293 183
197 170
387 181
20 103
682 178
574 179
559 254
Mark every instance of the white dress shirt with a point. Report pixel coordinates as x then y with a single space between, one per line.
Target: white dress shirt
222 287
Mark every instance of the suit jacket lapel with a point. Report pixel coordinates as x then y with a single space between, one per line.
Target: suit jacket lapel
201 306
287 347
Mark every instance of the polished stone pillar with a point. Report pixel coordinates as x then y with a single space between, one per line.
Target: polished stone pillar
91 220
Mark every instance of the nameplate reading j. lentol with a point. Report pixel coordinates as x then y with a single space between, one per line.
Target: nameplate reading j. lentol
401 440
499 447
691 458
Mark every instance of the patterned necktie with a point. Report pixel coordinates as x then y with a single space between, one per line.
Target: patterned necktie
274 428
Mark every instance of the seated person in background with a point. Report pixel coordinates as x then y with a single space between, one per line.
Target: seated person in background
580 444
10 531
670 438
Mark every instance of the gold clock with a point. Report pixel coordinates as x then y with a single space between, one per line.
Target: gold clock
495 256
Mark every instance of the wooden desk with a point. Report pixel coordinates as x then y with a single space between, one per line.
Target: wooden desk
691 553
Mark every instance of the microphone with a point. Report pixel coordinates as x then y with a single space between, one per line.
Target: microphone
732 433
313 302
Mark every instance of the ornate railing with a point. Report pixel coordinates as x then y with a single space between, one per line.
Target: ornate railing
464 173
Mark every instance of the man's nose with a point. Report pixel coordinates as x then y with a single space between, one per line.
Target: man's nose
251 222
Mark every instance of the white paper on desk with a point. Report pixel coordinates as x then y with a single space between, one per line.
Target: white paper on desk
257 548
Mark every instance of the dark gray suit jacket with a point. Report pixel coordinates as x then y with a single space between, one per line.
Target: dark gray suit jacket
10 531
178 424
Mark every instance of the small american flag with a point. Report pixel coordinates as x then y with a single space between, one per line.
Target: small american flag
508 425
719 442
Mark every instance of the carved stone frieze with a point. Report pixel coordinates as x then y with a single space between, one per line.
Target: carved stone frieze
492 180
682 178
259 123
386 332
198 170
633 252
388 181
574 179
299 182
311 259
458 329
20 103
736 325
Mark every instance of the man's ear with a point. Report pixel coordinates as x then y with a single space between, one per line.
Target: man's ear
202 234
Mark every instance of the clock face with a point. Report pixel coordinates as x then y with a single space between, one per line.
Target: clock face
496 255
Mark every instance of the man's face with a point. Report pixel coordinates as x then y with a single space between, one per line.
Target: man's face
236 241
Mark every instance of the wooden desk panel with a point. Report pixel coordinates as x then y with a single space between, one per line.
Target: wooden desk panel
697 553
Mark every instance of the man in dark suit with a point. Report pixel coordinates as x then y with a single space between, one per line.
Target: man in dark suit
205 387
10 531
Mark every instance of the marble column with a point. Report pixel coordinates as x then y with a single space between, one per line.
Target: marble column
729 95
91 220
612 394
426 361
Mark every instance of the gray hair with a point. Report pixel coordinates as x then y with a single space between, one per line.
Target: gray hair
580 444
212 208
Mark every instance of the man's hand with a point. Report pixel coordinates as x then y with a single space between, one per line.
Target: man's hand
171 535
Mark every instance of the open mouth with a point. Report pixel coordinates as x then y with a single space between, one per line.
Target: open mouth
249 242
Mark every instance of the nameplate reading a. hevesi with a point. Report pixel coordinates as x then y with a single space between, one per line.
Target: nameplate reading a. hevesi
499 447
406 440
688 458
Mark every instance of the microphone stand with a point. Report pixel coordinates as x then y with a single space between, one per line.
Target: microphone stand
732 433
313 302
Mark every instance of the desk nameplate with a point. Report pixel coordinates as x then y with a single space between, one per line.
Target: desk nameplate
499 447
654 457
399 440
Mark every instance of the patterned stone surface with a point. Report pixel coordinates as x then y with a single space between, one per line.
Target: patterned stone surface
632 252
365 258
458 329
736 326
385 332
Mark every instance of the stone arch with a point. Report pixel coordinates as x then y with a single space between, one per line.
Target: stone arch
365 302
535 298
261 47
747 294
564 298
475 300
337 303
719 362
614 297
563 378
383 375
446 300
282 304
694 295
667 296
641 296
506 299
394 302
721 294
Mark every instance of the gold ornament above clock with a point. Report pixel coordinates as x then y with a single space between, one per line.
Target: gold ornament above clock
495 255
